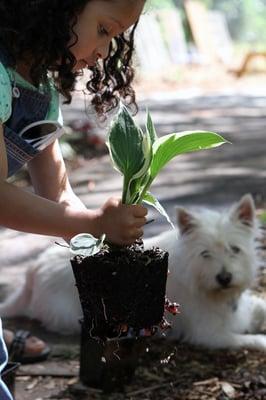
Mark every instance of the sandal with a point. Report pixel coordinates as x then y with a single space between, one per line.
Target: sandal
17 349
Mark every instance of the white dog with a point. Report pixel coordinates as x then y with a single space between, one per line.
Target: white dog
48 294
212 265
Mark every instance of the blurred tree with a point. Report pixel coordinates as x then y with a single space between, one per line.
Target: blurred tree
161 3
254 21
246 18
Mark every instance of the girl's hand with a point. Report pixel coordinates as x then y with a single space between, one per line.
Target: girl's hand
122 223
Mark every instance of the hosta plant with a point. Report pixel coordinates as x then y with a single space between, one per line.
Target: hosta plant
140 155
124 287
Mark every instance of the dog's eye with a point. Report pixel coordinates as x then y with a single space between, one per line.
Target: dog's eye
235 249
205 254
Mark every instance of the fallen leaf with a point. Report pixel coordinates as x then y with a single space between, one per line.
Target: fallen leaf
50 385
33 384
228 389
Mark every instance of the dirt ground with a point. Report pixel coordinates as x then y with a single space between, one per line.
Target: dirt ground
170 373
165 371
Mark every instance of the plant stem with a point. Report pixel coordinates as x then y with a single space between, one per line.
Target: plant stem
144 190
125 190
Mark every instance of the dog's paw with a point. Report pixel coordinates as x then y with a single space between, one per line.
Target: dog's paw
258 315
237 341
249 341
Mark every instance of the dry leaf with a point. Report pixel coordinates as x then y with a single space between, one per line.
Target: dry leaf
228 389
33 384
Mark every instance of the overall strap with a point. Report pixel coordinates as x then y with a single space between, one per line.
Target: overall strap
28 106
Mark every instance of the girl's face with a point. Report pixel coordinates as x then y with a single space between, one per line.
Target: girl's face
98 24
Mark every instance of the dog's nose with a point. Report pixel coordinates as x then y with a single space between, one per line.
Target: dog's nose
224 278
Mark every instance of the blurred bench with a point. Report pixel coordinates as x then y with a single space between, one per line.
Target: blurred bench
250 56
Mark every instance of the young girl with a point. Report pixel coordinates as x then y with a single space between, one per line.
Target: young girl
44 44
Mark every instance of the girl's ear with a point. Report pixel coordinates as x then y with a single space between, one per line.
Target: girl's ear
244 211
186 221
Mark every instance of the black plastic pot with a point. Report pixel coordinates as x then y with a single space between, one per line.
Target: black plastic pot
108 365
9 376
121 287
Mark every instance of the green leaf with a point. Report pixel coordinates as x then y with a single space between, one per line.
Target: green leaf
140 156
137 180
130 150
169 146
152 201
138 188
125 144
151 129
86 245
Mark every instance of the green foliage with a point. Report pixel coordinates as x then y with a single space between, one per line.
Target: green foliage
140 156
151 4
262 217
246 18
131 153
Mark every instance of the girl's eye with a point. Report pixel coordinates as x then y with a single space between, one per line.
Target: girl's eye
205 254
235 249
102 31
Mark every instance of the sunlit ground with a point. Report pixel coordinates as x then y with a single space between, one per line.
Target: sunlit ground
194 79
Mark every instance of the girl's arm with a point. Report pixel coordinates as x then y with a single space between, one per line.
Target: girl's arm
49 177
59 212
28 212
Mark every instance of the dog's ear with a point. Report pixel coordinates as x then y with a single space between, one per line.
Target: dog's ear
244 211
186 221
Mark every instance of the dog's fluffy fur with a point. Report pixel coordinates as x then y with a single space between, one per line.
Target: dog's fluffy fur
49 293
212 264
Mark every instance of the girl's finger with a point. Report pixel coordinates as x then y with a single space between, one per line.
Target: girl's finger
139 210
139 222
137 233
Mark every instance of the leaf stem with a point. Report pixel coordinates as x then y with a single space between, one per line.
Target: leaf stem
144 190
125 190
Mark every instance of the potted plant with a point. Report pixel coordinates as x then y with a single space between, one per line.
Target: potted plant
122 289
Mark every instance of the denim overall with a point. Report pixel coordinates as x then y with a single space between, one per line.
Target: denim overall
28 106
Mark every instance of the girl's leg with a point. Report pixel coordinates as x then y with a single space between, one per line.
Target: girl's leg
25 348
4 392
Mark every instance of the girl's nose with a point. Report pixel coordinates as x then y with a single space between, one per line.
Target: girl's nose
103 51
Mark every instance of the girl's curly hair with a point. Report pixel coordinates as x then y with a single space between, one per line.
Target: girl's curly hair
43 29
